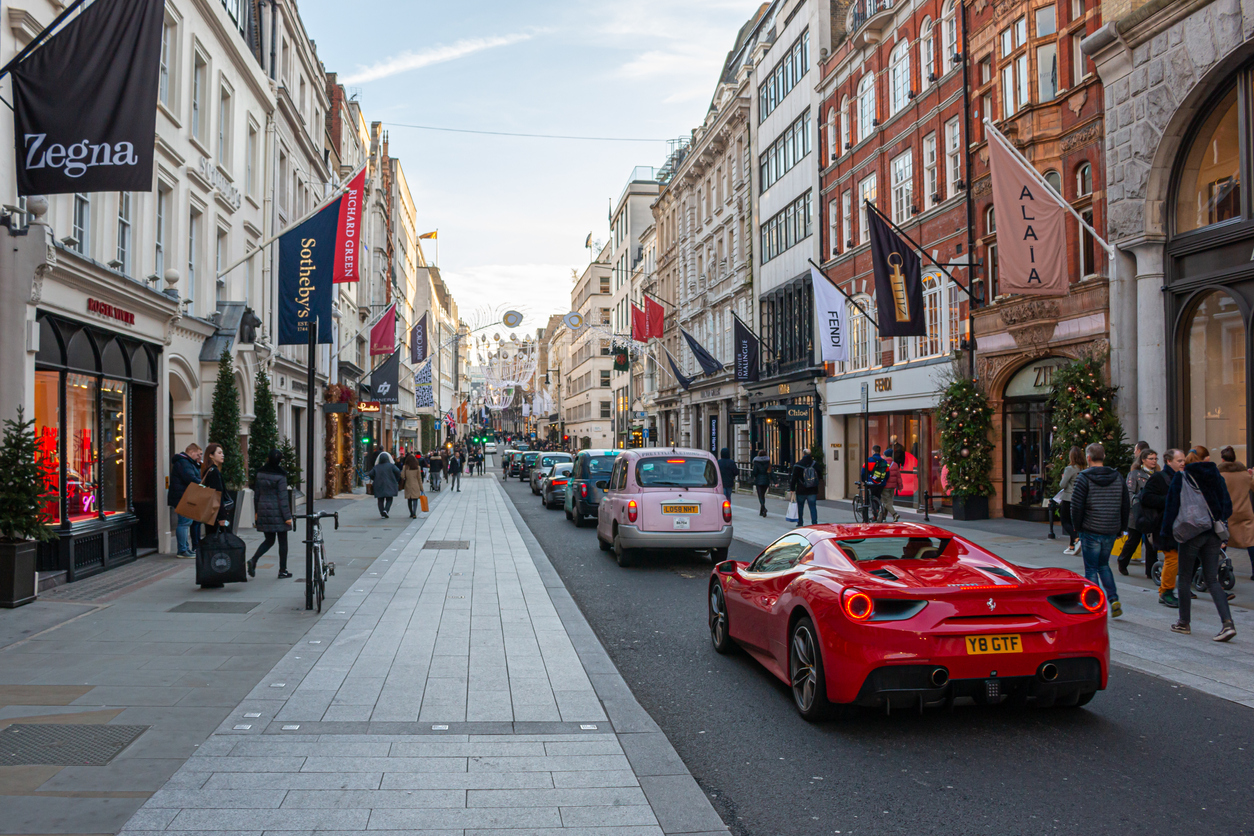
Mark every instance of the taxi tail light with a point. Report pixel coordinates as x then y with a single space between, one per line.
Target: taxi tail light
726 510
857 605
633 511
583 491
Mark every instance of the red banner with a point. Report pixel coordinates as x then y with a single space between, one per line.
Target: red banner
383 333
655 316
348 244
639 328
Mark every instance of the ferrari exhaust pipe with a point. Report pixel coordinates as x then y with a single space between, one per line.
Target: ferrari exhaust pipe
1049 672
939 677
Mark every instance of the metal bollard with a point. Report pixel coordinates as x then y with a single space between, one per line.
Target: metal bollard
927 505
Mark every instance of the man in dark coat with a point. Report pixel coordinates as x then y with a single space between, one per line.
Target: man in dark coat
805 486
184 471
1099 513
728 471
1153 504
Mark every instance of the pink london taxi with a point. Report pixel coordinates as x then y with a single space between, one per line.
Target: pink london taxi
662 499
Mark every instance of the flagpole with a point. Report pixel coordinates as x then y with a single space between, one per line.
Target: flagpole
823 273
755 333
39 39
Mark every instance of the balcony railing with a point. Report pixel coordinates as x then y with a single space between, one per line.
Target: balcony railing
862 10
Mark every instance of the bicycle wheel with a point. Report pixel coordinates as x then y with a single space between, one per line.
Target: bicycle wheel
319 584
857 510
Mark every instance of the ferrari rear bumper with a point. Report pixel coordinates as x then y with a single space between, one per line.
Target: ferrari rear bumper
910 686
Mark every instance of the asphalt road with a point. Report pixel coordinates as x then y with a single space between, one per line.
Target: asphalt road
1144 757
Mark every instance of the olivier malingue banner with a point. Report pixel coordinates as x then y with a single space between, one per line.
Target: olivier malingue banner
85 102
306 267
747 349
833 313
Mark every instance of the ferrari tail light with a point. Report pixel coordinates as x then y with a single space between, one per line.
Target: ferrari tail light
633 511
858 605
726 510
583 490
1092 599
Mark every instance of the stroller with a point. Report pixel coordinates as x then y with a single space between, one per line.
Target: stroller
1227 575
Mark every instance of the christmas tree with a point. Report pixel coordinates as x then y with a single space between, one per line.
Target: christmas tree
224 426
966 420
1083 409
25 498
291 462
263 435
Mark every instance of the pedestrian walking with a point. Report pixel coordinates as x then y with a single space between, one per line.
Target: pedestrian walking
1144 465
1075 463
728 472
386 477
455 472
184 471
1198 509
274 512
1241 523
435 468
761 478
1153 506
892 483
804 484
1099 512
211 477
874 472
411 479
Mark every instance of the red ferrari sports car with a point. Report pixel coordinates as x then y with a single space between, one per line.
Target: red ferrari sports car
909 615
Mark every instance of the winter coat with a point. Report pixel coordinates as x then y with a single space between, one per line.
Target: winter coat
762 470
893 483
1068 481
1214 490
386 477
455 464
270 499
796 483
1135 482
411 478
183 472
1153 503
213 479
436 464
1241 523
1099 502
728 471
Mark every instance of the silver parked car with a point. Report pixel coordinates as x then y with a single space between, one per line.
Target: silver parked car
544 463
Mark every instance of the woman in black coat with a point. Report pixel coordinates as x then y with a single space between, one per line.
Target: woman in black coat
274 511
211 477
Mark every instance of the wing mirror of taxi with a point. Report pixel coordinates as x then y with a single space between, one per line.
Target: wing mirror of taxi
603 484
727 567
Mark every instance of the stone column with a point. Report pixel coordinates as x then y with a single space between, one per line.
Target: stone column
1151 359
24 261
1125 326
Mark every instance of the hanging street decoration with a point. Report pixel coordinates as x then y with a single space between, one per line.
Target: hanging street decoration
383 333
306 267
574 320
898 280
512 319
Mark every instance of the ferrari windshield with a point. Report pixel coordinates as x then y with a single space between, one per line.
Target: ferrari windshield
893 548
677 472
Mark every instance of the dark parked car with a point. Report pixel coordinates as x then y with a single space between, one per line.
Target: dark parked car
544 465
528 461
553 486
587 484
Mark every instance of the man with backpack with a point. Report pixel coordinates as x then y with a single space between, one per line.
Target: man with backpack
1099 513
875 474
805 487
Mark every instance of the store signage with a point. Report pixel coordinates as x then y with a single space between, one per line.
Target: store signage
866 398
1034 380
798 413
785 388
369 406
109 312
714 434
215 178
883 384
717 391
739 417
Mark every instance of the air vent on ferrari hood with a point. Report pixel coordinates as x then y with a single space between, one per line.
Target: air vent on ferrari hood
998 571
884 573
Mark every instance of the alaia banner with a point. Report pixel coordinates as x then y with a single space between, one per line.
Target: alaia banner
85 102
1031 231
306 264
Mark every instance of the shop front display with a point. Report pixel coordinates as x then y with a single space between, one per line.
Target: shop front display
1028 438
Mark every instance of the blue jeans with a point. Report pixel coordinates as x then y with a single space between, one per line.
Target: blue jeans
1096 550
812 500
184 533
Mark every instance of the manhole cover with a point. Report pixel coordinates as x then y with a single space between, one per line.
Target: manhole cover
220 607
447 544
53 744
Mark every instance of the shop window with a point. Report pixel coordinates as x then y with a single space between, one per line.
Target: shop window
1209 189
47 439
113 447
80 446
1215 368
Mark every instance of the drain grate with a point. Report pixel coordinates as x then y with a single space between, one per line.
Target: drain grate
447 544
54 744
219 607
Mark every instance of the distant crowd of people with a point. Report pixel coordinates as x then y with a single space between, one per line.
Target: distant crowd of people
387 479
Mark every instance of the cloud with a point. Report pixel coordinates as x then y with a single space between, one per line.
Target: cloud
407 61
535 290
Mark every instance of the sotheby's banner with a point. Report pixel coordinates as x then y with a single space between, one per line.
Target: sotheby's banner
85 102
306 267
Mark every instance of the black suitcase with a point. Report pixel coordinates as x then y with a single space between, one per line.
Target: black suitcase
221 558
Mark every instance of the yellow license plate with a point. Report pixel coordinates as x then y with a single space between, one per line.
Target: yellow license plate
994 644
681 509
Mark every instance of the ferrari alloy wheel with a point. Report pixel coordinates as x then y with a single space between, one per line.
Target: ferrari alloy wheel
719 634
805 669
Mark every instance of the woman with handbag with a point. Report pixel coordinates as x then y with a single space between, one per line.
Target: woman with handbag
386 477
411 479
211 477
274 512
1198 509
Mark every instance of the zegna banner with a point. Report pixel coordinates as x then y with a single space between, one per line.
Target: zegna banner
85 102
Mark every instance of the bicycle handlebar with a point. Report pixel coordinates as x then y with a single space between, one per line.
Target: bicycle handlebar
320 515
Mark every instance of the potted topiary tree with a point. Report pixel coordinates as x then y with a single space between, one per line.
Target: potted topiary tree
23 511
966 420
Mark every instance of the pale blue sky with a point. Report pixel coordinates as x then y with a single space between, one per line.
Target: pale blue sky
513 213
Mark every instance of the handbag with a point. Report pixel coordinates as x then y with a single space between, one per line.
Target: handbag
793 514
200 503
1194 517
221 559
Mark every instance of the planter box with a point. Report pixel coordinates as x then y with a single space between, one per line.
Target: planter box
17 574
970 507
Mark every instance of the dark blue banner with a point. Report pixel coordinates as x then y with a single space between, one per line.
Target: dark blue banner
306 271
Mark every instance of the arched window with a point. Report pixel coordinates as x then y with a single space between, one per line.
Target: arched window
934 316
990 249
1210 182
861 334
1054 179
866 105
990 221
1084 180
845 116
831 134
949 31
899 76
1214 363
927 54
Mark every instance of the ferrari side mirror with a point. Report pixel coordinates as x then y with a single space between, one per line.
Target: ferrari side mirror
727 567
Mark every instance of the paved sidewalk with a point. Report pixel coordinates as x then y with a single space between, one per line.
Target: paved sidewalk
459 691
1141 639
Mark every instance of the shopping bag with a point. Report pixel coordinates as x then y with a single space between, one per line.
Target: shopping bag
422 500
1117 549
794 514
200 504
221 559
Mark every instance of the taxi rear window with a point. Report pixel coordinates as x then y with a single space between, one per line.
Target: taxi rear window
676 472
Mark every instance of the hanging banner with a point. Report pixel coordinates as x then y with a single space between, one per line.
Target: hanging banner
85 102
898 281
833 313
639 327
346 264
306 264
385 380
1031 230
655 317
418 341
684 382
747 350
708 364
423 397
383 333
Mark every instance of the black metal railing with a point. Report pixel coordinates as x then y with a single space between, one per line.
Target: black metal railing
864 9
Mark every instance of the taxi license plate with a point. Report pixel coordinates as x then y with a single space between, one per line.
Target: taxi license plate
977 645
681 509
682 523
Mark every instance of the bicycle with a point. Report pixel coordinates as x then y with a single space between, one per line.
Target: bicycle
321 567
866 506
